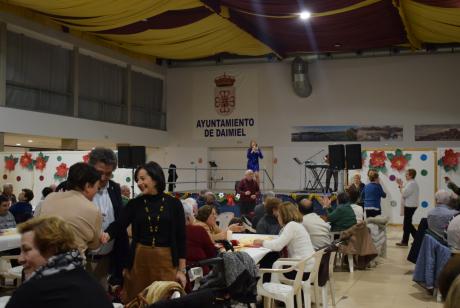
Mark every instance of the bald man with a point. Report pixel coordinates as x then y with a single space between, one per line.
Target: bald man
248 190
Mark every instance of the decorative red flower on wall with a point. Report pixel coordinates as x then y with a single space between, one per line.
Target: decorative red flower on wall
377 161
40 162
86 157
10 162
61 172
26 161
450 160
399 160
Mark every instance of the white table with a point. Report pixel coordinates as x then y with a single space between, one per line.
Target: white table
256 253
10 241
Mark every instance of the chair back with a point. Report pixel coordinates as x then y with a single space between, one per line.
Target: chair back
300 267
224 219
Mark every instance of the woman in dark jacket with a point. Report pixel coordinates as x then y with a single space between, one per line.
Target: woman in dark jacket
158 233
172 177
54 271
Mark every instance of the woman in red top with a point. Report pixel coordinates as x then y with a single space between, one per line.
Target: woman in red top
199 244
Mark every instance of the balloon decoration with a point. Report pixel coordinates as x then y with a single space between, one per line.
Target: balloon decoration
449 161
377 161
399 160
26 161
40 161
61 172
10 162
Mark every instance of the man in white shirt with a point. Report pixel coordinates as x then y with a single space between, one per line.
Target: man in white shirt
357 209
318 229
409 203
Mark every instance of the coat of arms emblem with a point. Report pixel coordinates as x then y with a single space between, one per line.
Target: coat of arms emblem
224 94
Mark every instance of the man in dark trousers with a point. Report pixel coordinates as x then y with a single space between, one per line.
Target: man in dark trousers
107 262
248 190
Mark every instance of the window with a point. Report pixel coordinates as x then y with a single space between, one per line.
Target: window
38 75
147 101
101 95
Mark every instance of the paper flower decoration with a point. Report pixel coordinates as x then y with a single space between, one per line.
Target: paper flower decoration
61 172
230 199
377 161
399 160
450 160
26 161
40 161
10 162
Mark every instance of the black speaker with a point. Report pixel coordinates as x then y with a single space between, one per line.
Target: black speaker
354 160
131 157
337 156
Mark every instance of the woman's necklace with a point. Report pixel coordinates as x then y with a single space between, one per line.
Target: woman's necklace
154 224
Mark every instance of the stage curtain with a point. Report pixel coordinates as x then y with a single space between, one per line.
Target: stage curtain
100 15
206 37
428 23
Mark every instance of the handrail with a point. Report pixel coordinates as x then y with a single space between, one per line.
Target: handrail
212 180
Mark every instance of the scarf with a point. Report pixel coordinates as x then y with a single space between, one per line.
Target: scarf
63 262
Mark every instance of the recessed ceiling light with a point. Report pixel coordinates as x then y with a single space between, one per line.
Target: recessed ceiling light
18 144
337 45
30 141
305 15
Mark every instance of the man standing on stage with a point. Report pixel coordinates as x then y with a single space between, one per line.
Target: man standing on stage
329 173
248 190
409 204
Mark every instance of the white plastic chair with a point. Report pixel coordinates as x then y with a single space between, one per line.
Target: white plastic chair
351 265
224 219
305 285
275 290
9 272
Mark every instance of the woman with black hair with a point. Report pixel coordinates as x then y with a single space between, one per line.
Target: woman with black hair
158 233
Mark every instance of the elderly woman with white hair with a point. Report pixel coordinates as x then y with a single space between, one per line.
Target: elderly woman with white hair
439 217
199 244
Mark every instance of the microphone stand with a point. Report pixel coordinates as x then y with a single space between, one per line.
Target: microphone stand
314 155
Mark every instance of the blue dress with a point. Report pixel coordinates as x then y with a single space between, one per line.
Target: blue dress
253 159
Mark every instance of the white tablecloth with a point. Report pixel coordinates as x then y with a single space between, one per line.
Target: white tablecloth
256 253
10 241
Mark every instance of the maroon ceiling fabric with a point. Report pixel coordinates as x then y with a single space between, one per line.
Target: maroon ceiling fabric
167 20
441 3
375 26
277 7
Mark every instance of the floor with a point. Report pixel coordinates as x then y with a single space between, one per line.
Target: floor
388 285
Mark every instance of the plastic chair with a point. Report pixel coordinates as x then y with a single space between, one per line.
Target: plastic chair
351 266
275 290
9 272
306 284
224 219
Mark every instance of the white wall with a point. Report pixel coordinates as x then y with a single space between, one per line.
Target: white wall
400 90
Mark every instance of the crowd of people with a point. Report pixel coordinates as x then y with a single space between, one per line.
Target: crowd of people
90 236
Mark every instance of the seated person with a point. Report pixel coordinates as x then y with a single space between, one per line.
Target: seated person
268 224
318 229
201 197
22 210
199 245
343 216
259 210
7 220
293 235
357 209
439 217
449 273
193 203
206 218
45 192
210 199
53 268
453 233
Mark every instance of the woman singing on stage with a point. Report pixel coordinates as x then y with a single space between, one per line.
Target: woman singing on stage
254 153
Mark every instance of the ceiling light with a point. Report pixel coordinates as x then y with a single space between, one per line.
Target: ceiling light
305 15
337 45
30 141
18 144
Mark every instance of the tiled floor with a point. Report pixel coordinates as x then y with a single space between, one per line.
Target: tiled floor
388 285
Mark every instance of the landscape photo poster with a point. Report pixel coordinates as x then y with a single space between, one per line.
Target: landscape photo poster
441 132
347 133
